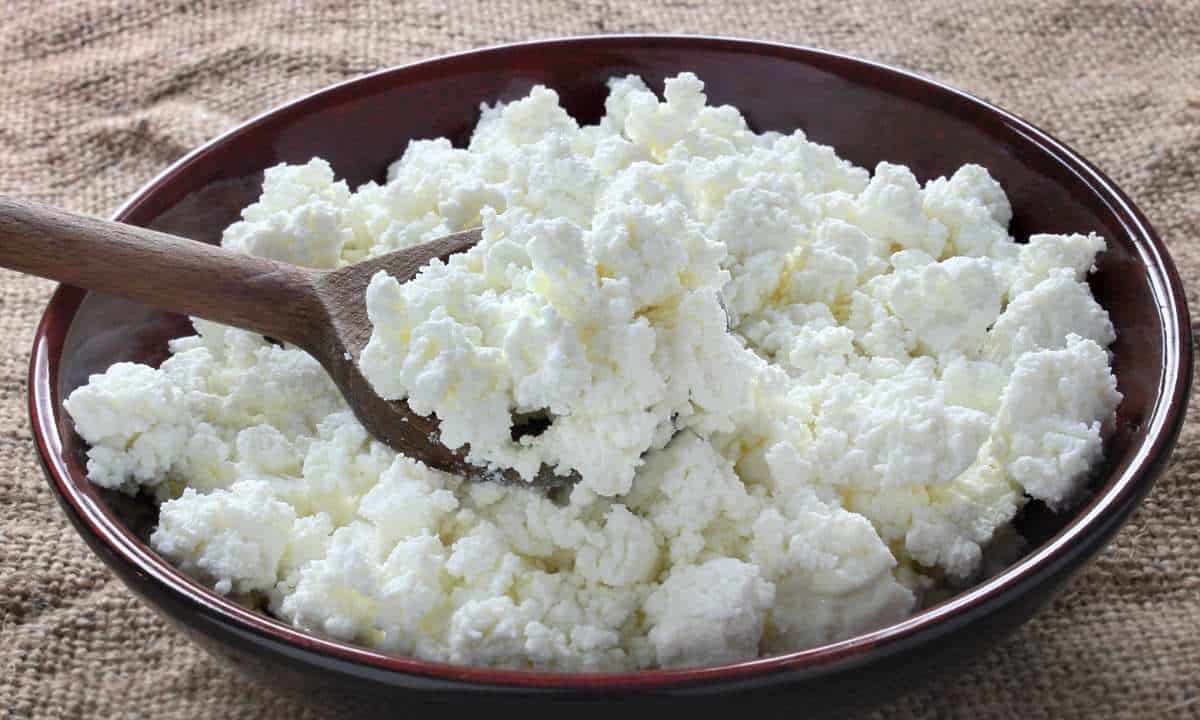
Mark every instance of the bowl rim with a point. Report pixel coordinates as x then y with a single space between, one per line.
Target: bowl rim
1098 517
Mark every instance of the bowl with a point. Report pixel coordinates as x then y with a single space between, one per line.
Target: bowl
868 112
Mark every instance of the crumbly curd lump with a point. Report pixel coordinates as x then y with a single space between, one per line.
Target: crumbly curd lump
799 396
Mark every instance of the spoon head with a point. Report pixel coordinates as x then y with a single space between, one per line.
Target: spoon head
342 294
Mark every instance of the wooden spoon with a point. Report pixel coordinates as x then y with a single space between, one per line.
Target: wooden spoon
323 312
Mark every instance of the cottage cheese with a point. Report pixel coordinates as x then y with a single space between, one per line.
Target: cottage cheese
798 395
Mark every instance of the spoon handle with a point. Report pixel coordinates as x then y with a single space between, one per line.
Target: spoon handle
159 270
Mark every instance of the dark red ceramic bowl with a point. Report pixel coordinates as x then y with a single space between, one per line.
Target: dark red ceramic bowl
869 112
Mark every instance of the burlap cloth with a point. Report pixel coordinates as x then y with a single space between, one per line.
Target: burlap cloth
97 96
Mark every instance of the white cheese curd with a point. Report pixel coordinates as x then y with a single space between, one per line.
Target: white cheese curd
798 395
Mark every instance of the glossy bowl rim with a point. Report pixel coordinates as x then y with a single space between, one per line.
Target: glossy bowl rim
1095 521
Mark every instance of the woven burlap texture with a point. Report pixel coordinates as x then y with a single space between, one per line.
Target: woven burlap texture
98 96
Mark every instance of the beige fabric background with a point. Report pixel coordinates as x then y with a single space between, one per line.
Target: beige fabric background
98 96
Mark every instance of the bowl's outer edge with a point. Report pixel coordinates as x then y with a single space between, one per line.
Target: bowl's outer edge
1060 556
